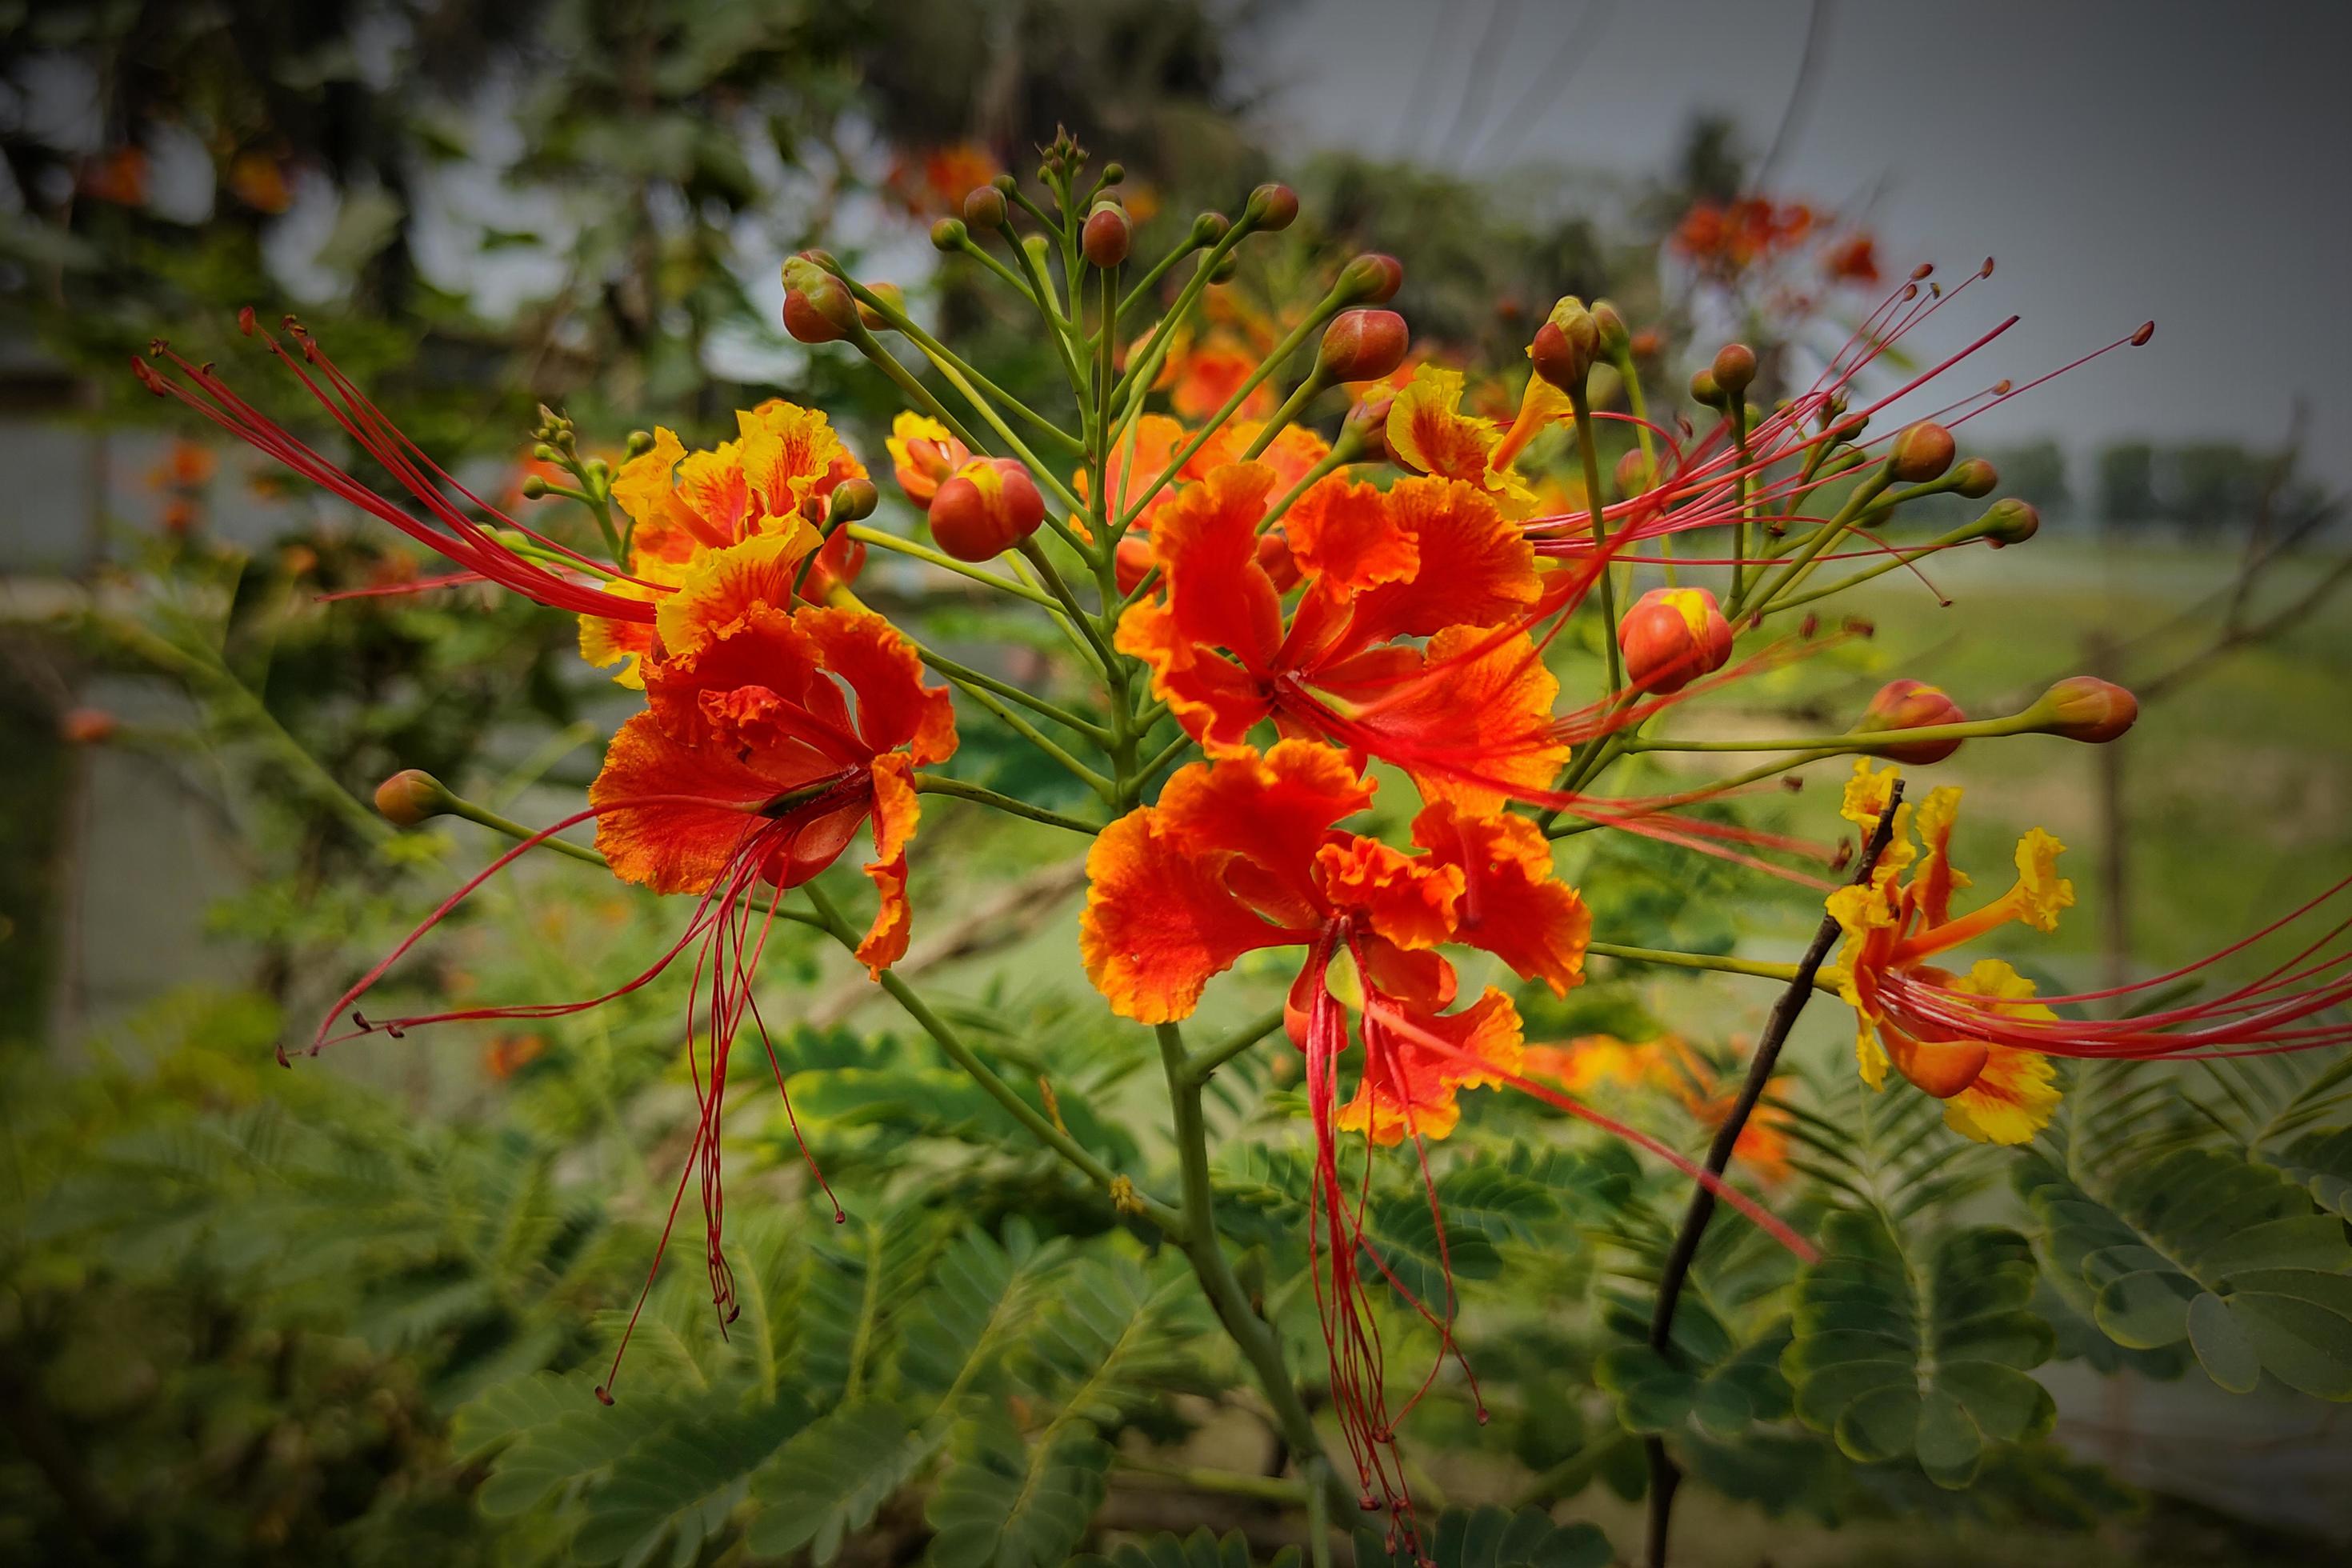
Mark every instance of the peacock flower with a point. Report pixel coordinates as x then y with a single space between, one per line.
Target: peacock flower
1203 373
1428 433
1243 854
1139 458
1896 925
1468 714
784 467
1668 1066
923 454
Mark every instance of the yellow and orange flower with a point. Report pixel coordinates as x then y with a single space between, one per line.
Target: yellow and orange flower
769 737
1144 456
1936 1028
1468 714
1668 1066
775 477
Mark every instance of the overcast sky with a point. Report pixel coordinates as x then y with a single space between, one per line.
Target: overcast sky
2123 161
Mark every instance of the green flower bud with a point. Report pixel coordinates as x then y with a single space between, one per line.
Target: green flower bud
1272 207
1735 367
1615 338
411 796
950 233
2008 521
1370 278
852 500
984 208
1923 452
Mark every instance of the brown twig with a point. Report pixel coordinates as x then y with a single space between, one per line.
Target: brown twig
1016 911
1664 1477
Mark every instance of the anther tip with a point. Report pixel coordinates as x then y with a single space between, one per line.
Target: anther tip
2146 331
245 322
604 1396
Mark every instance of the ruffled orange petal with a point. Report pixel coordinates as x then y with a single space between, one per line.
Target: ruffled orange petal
897 808
724 586
1478 567
1428 431
1206 543
755 683
699 807
1408 1087
894 707
791 455
1275 811
1345 538
1159 920
1216 701
645 486
1512 905
717 495
1407 899
1473 725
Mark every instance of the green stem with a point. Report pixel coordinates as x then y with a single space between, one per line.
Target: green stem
1167 1219
939 783
1581 405
1753 967
923 552
1036 555
1847 515
1257 1339
1901 558
1870 741
1639 406
965 675
458 806
963 376
1037 738
1202 1064
1299 397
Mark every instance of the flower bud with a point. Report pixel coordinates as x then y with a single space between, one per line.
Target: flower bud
1975 479
1362 345
1108 235
411 796
639 443
1913 705
1113 174
1209 229
1227 264
2008 521
2084 708
1272 207
1635 473
1735 367
984 208
891 295
1922 452
1364 434
88 727
1371 279
853 501
990 505
1614 339
1566 345
921 464
1703 391
950 233
1671 637
818 307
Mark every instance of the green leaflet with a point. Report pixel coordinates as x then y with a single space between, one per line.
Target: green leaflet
2203 1247
1198 1550
1899 1355
1492 1536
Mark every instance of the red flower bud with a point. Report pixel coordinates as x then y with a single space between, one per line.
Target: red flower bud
2084 708
983 207
1912 705
1566 345
2008 521
1671 637
988 506
88 727
818 307
1371 279
1635 473
1735 367
1272 207
1108 235
1362 345
1922 453
411 796
1365 431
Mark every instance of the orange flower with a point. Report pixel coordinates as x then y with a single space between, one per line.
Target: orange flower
1468 714
1134 463
749 764
259 180
1243 854
775 478
119 176
937 179
1202 375
922 455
